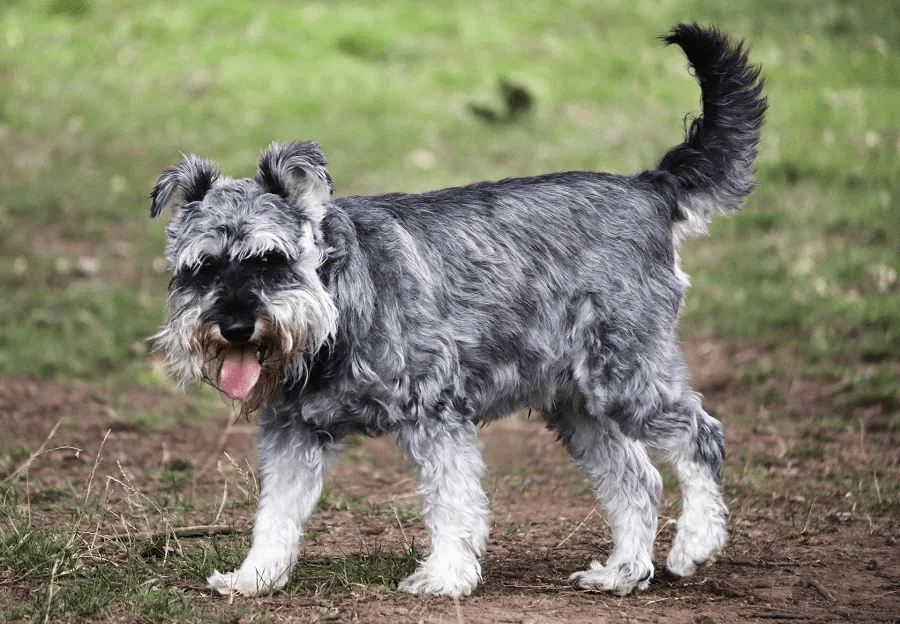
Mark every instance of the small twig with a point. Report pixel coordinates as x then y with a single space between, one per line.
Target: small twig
99 559
137 495
12 525
248 476
105 500
808 517
241 473
789 562
204 530
827 595
253 479
581 524
659 600
28 498
129 529
134 496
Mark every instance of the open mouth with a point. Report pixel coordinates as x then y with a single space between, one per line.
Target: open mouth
240 370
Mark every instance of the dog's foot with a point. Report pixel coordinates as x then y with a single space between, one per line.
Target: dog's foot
443 578
233 583
619 579
252 578
701 536
244 584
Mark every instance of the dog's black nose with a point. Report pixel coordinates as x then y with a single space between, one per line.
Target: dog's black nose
237 329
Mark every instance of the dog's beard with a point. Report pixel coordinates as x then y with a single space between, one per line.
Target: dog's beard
252 372
297 321
255 372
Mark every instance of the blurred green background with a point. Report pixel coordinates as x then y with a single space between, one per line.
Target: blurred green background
97 97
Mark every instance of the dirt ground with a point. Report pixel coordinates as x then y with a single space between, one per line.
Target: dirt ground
814 523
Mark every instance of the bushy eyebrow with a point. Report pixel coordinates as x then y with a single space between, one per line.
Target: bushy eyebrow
260 244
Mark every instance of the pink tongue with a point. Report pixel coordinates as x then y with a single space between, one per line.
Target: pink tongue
239 373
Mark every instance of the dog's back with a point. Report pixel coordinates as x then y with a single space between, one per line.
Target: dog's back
497 281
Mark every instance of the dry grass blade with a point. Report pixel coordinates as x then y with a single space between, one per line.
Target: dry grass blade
402 531
580 524
41 450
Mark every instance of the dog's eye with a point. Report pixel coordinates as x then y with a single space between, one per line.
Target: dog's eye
204 266
272 258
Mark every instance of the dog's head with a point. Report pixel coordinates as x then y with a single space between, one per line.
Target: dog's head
245 298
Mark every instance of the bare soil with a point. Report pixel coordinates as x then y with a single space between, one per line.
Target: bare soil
814 526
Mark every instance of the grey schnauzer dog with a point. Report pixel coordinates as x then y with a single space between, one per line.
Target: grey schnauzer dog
420 316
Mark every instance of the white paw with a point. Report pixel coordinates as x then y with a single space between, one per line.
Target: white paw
231 583
621 579
437 578
701 536
249 580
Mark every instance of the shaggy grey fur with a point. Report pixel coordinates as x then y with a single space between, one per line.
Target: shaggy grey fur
419 316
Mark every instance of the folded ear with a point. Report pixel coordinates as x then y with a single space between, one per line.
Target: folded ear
191 179
297 172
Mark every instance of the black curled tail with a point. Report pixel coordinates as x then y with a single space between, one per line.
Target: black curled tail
713 168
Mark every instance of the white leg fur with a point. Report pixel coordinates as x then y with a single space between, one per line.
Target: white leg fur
449 468
628 488
292 472
701 529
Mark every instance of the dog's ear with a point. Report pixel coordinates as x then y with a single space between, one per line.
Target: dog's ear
191 179
297 172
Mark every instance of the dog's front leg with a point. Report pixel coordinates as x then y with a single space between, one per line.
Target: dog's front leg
448 464
292 464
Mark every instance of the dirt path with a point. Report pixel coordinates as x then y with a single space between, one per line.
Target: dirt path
815 512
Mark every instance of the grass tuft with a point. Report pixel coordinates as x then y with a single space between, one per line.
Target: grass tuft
374 573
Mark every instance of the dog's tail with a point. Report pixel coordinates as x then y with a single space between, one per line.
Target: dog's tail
713 168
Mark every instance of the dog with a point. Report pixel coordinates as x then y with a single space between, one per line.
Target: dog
422 315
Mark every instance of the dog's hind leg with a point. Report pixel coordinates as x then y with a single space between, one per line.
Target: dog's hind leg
691 440
640 382
292 463
667 417
448 464
628 488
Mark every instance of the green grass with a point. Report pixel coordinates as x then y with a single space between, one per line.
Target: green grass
812 263
78 580
87 568
376 574
100 96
